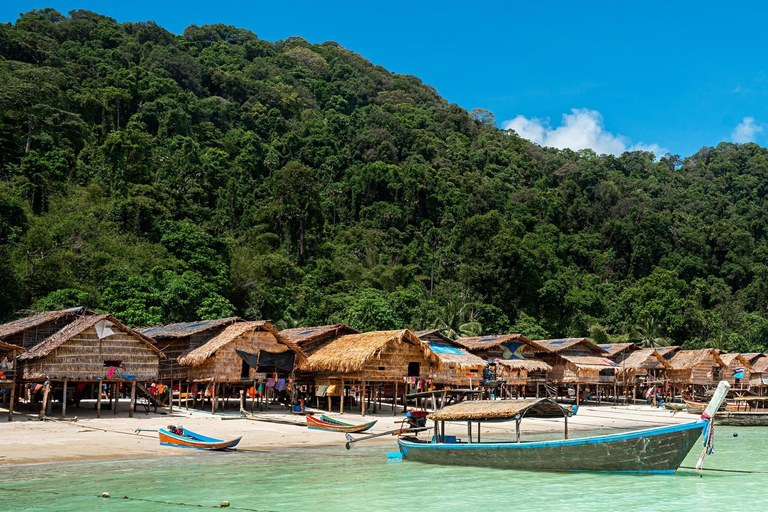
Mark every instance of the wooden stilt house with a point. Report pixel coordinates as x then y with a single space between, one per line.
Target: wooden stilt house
244 354
174 340
460 368
376 363
579 362
515 359
737 370
95 349
693 370
29 331
642 368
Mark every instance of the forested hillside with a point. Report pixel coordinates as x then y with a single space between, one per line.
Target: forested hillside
168 177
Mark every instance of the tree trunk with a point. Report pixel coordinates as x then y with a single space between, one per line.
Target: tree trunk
29 138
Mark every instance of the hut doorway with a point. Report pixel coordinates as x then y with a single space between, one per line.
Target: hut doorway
414 369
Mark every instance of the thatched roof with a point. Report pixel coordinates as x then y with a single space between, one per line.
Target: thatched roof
760 364
645 358
499 410
182 329
597 363
752 356
52 342
728 359
351 352
530 365
559 345
199 355
614 349
687 359
436 335
9 347
668 352
485 342
304 335
22 324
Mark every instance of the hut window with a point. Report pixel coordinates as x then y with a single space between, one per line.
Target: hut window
382 368
715 373
112 363
413 370
245 371
473 371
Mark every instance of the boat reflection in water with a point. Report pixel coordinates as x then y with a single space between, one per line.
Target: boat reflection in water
654 450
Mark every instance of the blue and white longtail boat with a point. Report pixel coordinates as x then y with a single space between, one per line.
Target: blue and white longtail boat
653 450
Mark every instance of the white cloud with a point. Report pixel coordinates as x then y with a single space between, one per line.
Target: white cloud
746 130
581 129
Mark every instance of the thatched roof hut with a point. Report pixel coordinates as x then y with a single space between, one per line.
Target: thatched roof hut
174 340
577 361
239 351
668 352
375 356
700 367
312 338
88 349
459 366
618 351
641 364
759 375
29 331
736 365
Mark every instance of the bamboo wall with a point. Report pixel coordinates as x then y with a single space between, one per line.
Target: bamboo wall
729 373
513 376
455 376
697 374
82 357
390 366
565 372
173 348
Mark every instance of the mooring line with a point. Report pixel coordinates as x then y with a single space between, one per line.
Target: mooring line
726 470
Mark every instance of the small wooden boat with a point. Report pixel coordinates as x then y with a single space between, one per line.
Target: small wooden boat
332 425
654 450
189 439
695 407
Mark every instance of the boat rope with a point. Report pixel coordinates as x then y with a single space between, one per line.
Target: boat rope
726 470
709 439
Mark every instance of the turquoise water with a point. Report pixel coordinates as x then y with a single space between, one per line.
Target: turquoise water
362 479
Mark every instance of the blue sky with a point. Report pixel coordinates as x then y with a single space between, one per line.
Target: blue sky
673 76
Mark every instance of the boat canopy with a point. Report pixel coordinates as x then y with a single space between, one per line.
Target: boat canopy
500 410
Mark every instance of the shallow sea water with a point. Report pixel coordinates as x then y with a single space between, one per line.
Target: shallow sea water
362 479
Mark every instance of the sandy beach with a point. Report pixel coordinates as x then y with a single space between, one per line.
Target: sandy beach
27 440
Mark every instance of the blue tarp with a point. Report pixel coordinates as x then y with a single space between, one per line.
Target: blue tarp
441 348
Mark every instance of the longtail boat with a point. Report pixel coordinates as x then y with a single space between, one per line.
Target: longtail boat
654 450
183 438
695 407
331 425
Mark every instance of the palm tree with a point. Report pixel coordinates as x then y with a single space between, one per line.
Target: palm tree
648 333
453 322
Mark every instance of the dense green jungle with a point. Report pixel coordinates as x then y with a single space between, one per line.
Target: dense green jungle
166 178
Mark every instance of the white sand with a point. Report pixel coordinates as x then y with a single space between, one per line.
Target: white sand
27 440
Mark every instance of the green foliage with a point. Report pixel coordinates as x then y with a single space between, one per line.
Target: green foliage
167 178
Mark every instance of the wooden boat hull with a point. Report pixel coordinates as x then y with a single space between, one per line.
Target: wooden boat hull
698 407
657 450
331 425
742 419
195 441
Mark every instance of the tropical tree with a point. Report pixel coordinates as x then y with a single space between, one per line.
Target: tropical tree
648 333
